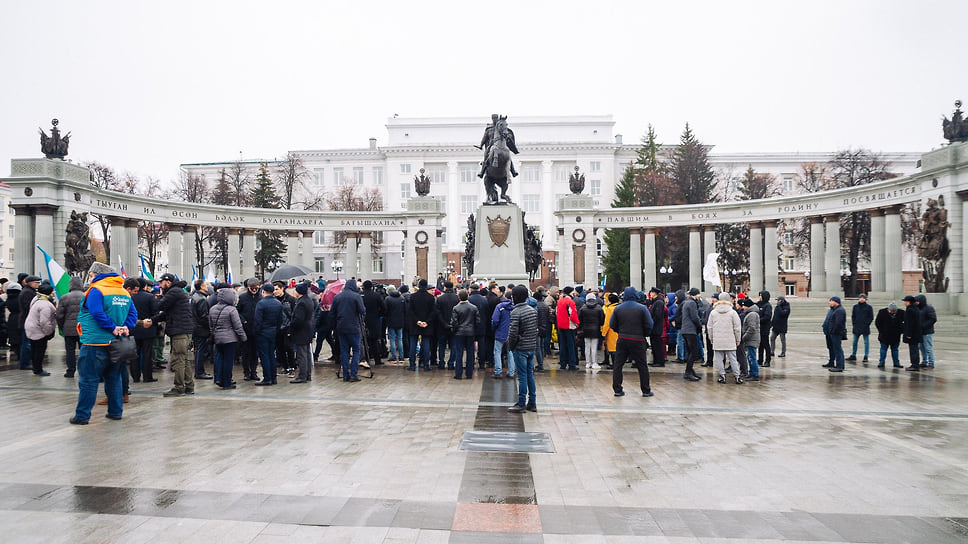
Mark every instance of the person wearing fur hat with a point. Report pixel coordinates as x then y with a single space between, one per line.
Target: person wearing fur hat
835 332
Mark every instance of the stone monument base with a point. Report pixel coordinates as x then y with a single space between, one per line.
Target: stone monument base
499 245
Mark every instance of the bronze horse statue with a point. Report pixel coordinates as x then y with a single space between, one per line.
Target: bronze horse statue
497 162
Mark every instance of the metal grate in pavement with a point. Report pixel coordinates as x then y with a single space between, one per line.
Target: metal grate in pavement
507 442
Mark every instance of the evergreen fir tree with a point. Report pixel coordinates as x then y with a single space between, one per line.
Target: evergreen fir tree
691 170
271 244
616 259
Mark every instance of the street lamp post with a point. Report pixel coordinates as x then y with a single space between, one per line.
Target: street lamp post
337 267
552 269
667 272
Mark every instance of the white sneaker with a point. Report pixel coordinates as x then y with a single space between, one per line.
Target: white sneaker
588 365
596 366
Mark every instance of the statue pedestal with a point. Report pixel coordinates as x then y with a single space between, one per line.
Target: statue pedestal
499 245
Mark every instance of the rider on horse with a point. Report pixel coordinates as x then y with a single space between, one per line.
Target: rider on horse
486 144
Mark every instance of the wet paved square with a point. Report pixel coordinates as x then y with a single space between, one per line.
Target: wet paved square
803 456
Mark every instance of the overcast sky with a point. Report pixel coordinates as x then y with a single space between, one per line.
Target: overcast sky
146 86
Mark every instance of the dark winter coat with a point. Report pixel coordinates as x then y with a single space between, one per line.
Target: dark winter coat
591 317
445 305
464 319
375 308
912 325
544 316
835 324
176 311
246 307
422 308
27 295
14 330
522 328
396 310
68 308
691 320
890 326
301 330
224 322
928 316
766 312
200 307
480 301
781 316
861 317
268 317
631 320
147 305
659 315
348 309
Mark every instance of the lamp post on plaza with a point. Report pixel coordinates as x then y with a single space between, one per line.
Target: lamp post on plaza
552 269
451 267
337 267
845 274
667 272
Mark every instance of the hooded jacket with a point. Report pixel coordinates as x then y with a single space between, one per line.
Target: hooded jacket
501 320
724 327
223 319
690 316
566 313
751 329
928 316
611 337
348 309
765 310
69 307
672 308
106 305
591 318
14 329
631 320
781 316
861 317
396 310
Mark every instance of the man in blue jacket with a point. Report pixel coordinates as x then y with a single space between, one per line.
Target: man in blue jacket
268 318
348 314
106 313
632 322
835 331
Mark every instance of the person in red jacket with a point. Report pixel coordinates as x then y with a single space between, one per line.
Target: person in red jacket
566 318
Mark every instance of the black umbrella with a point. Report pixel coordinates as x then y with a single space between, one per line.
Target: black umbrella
288 271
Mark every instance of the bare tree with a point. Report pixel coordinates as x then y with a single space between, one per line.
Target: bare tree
238 178
191 187
291 176
351 197
104 177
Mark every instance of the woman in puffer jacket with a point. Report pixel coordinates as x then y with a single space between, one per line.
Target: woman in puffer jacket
40 325
227 332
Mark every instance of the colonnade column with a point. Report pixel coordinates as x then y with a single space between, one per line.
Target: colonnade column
591 258
118 242
308 243
292 247
635 258
132 259
23 239
771 271
234 251
832 253
366 256
248 254
648 262
878 277
708 246
893 274
818 277
695 257
452 219
191 253
548 206
44 223
349 263
964 245
756 257
175 254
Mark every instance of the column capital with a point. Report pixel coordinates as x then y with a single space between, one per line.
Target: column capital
131 223
248 232
190 229
234 231
295 233
694 228
634 230
771 223
755 225
816 219
175 227
44 210
877 212
893 210
831 217
365 234
308 233
20 209
650 230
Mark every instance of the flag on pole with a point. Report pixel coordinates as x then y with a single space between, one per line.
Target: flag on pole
710 272
144 270
210 274
604 276
193 275
59 277
121 263
228 273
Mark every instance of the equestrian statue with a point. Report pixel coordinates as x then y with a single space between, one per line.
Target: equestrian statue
498 144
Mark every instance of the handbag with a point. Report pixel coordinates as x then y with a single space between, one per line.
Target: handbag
121 349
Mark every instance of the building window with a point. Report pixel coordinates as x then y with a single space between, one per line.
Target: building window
10 258
10 231
377 265
405 190
788 238
437 173
596 187
358 175
405 168
789 263
320 265
443 236
595 166
562 171
338 177
468 204
787 185
468 173
443 202
378 175
531 172
318 178
531 203
791 289
377 237
319 238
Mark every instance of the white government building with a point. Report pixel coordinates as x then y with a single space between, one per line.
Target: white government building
550 149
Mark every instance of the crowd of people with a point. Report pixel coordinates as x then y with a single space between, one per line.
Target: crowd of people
279 329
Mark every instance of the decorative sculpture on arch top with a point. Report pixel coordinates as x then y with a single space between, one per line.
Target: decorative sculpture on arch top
421 184
471 236
498 144
78 257
576 182
955 130
54 146
933 248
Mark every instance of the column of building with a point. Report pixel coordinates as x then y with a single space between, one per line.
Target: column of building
771 272
292 247
695 256
366 256
308 244
756 257
131 253
649 267
635 258
878 271
893 265
591 258
191 253
176 252
708 246
234 253
818 276
832 254
44 224
119 240
349 263
248 254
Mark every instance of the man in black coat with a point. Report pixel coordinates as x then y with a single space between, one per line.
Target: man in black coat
912 332
445 305
766 320
200 307
301 333
176 311
928 318
779 325
285 354
890 327
147 306
421 322
835 332
861 317
477 299
246 307
375 309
